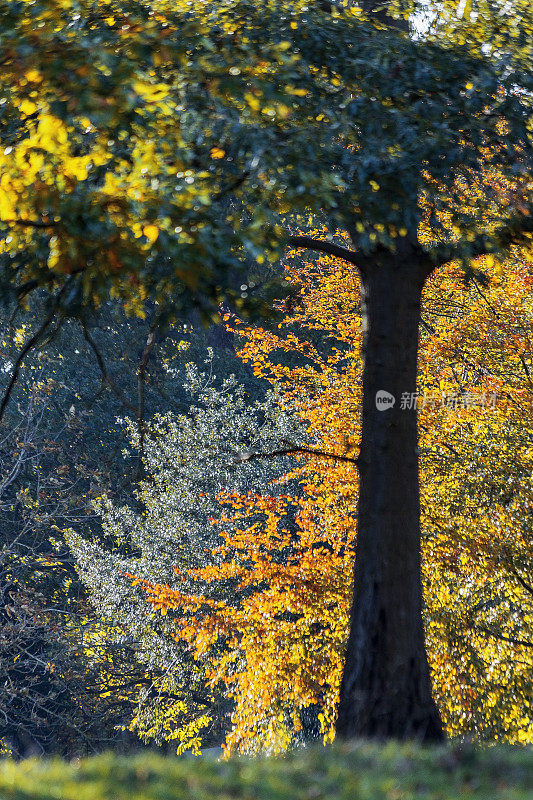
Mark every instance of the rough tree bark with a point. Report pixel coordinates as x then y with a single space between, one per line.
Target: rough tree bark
386 687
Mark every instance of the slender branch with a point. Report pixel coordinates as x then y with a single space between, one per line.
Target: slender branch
110 382
526 368
499 316
323 246
150 341
29 286
30 344
484 297
293 451
442 444
232 186
488 632
516 231
34 223
25 288
198 697
525 585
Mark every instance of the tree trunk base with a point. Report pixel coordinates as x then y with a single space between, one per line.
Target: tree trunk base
373 713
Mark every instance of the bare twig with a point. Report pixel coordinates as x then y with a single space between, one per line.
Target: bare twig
510 639
107 378
525 585
150 341
34 223
30 344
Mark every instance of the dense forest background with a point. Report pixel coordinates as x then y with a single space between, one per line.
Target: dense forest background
65 445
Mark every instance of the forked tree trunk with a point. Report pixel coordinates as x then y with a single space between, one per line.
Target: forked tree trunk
386 688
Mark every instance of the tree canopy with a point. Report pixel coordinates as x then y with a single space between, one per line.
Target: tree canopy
154 150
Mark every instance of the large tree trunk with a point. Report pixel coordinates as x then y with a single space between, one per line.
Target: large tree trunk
386 688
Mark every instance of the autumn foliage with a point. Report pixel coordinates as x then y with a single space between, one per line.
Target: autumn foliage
276 640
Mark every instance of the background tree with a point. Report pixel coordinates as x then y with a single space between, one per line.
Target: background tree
44 698
61 448
476 498
171 533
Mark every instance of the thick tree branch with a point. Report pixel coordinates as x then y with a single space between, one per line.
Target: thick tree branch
294 451
323 246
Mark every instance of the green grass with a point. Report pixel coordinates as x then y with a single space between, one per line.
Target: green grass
348 772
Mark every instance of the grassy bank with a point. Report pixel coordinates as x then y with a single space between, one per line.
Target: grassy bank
355 772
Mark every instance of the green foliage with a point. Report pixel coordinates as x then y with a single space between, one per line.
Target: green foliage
153 150
351 772
66 682
189 459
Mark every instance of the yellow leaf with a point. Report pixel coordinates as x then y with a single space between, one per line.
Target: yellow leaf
297 92
151 92
34 76
151 232
252 101
27 107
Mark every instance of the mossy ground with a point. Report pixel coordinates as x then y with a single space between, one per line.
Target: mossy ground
347 772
